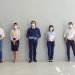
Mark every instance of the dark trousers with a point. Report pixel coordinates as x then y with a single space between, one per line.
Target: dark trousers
50 46
32 49
1 44
68 44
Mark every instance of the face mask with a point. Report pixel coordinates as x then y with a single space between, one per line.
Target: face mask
51 29
33 25
70 26
15 27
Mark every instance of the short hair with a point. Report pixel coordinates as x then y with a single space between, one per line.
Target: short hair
15 24
33 22
50 27
70 23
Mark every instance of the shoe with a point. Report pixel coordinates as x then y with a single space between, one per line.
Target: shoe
30 61
68 60
1 61
50 61
35 60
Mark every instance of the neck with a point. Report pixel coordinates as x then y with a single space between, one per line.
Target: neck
70 28
14 29
33 27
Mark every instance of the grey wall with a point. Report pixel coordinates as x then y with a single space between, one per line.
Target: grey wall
45 12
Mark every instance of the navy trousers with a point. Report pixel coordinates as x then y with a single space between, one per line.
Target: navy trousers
32 49
50 46
1 44
70 43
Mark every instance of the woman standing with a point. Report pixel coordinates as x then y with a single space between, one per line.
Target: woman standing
50 42
15 36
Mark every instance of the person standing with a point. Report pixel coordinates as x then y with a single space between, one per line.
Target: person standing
33 34
69 36
2 35
50 36
15 36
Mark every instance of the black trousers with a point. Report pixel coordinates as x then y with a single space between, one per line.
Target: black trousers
32 49
70 43
50 46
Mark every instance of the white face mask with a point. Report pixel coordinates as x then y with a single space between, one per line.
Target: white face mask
70 26
33 25
51 29
15 27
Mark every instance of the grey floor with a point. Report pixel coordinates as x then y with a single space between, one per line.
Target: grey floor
39 68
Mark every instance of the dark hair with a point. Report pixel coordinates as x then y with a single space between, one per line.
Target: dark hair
70 23
15 24
33 22
50 27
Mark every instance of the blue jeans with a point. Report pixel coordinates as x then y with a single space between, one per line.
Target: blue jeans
50 46
1 44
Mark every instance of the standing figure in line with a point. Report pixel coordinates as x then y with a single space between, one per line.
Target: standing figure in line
2 35
50 36
69 36
15 36
33 34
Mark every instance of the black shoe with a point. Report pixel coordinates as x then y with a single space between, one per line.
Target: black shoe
35 60
68 60
30 61
50 61
1 61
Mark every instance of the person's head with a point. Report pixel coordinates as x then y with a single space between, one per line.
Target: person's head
70 25
51 28
15 25
33 24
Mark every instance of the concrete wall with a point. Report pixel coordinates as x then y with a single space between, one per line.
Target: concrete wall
45 12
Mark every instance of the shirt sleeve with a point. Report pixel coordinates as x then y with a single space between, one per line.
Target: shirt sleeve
18 35
11 35
47 35
65 34
3 33
27 35
39 33
54 35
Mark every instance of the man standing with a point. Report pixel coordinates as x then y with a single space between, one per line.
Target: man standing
69 39
33 33
2 35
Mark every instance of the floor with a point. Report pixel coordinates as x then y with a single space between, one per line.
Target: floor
39 68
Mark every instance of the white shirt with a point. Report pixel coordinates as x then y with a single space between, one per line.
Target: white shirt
69 34
50 36
15 34
2 34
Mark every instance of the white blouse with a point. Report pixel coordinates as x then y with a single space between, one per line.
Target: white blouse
15 34
51 36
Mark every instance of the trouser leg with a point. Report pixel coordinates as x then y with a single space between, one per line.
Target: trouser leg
30 49
52 50
34 49
49 50
68 49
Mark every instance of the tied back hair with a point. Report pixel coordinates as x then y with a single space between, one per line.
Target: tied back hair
51 26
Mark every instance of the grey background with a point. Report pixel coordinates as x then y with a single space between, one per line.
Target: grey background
45 12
